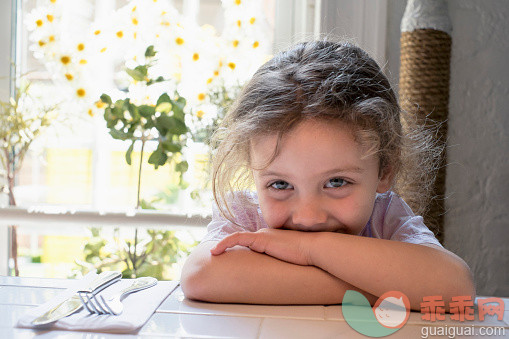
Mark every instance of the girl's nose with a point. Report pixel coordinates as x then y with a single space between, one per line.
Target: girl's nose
308 212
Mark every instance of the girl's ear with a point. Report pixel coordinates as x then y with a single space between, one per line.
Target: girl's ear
385 180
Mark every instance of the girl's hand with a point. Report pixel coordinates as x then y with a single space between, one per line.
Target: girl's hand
287 245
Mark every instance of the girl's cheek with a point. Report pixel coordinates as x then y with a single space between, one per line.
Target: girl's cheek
274 212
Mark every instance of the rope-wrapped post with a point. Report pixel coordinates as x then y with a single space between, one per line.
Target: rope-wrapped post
424 84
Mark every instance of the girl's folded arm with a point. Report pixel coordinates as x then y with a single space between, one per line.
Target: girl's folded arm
378 266
244 276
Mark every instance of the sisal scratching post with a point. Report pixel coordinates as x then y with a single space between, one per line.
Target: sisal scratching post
424 83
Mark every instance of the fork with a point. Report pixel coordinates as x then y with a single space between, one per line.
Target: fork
113 304
106 279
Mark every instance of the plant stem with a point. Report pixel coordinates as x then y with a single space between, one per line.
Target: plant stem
135 258
143 140
11 176
138 203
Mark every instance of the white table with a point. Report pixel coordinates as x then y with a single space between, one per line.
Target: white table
180 317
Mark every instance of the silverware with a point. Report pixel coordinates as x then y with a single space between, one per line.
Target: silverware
113 305
74 304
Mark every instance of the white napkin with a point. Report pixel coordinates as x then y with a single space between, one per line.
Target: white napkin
138 307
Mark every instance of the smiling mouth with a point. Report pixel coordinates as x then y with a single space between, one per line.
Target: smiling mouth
341 229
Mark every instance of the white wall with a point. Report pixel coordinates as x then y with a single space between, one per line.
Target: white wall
477 219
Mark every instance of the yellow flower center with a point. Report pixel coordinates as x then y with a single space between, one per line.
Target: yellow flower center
196 56
216 73
41 43
90 112
135 21
238 2
50 17
81 92
235 43
201 96
80 47
256 44
134 8
51 38
69 76
209 80
83 62
39 23
97 32
53 1
252 20
103 49
120 34
179 41
65 59
200 114
99 104
135 35
231 65
239 23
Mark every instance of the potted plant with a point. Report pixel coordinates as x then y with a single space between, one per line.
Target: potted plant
22 120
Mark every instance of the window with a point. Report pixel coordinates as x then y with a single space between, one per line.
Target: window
77 166
76 176
72 54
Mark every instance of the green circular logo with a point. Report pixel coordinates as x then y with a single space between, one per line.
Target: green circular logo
390 313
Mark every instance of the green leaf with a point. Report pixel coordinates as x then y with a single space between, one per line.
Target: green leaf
119 107
163 98
181 101
106 99
134 112
158 158
128 153
111 121
150 52
171 124
147 205
153 81
146 110
182 166
178 108
164 107
116 134
139 73
169 146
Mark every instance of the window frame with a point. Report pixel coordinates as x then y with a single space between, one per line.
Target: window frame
307 19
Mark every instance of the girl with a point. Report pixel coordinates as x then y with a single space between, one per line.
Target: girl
317 131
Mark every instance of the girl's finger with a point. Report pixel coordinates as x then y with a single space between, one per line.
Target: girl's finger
242 239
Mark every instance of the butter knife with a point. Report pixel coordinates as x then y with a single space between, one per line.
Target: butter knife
73 304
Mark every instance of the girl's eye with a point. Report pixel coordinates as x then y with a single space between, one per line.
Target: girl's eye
281 185
335 183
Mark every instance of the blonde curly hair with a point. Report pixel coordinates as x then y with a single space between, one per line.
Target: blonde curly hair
334 81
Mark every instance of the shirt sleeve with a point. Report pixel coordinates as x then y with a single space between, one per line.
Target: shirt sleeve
247 217
401 224
415 232
220 227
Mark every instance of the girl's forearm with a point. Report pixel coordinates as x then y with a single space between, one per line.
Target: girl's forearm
377 266
243 276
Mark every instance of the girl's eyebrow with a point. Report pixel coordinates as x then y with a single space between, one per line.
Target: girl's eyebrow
353 169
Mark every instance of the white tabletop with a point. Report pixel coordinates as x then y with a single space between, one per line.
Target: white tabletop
183 318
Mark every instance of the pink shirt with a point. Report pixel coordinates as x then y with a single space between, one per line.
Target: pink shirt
392 219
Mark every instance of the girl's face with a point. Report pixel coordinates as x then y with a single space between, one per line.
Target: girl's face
321 180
